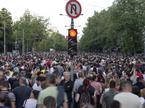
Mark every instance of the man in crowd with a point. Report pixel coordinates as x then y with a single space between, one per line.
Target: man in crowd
126 98
5 89
51 90
22 92
108 96
68 87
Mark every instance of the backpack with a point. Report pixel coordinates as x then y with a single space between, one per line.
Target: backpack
84 99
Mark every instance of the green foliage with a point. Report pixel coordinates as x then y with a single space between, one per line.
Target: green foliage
37 35
34 27
54 41
59 41
121 26
5 18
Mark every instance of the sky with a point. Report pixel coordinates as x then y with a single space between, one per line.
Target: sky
53 8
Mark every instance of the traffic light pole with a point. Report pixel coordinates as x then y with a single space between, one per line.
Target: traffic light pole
72 23
72 27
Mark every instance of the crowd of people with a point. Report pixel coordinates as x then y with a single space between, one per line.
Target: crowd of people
88 80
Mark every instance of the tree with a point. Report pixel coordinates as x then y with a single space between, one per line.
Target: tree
129 20
60 43
55 41
34 27
120 27
96 32
5 18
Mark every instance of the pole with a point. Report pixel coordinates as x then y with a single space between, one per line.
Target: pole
4 38
144 43
23 46
45 46
16 41
27 45
144 47
72 23
72 27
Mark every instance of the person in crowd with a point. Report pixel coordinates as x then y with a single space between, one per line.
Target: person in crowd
3 100
22 92
2 76
51 90
14 80
68 87
86 94
136 91
126 98
108 96
78 82
115 104
139 73
49 102
139 83
142 98
98 88
32 101
5 89
38 84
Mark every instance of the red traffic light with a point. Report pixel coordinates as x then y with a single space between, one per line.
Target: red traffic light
73 33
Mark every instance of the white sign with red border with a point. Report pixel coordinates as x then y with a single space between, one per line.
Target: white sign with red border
73 9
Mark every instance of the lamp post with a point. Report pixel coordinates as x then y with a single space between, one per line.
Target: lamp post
23 43
72 23
144 42
144 47
4 38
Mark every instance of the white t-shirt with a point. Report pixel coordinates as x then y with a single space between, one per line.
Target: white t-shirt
142 100
144 77
30 103
36 87
128 100
77 84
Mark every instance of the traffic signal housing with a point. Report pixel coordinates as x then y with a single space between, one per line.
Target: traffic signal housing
72 42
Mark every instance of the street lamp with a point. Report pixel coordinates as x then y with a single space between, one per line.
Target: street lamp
23 42
66 15
72 20
4 38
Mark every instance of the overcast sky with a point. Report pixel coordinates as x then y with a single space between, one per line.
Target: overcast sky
52 8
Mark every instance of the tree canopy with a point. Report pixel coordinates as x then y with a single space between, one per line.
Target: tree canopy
34 30
120 27
5 20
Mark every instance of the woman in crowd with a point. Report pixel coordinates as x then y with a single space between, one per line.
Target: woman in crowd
32 101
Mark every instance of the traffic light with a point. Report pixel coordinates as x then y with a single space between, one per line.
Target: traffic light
72 42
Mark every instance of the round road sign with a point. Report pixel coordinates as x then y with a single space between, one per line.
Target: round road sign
73 9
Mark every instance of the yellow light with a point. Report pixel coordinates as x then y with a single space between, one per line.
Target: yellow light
73 32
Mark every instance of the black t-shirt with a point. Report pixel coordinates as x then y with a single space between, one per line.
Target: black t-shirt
13 82
4 107
21 93
68 87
